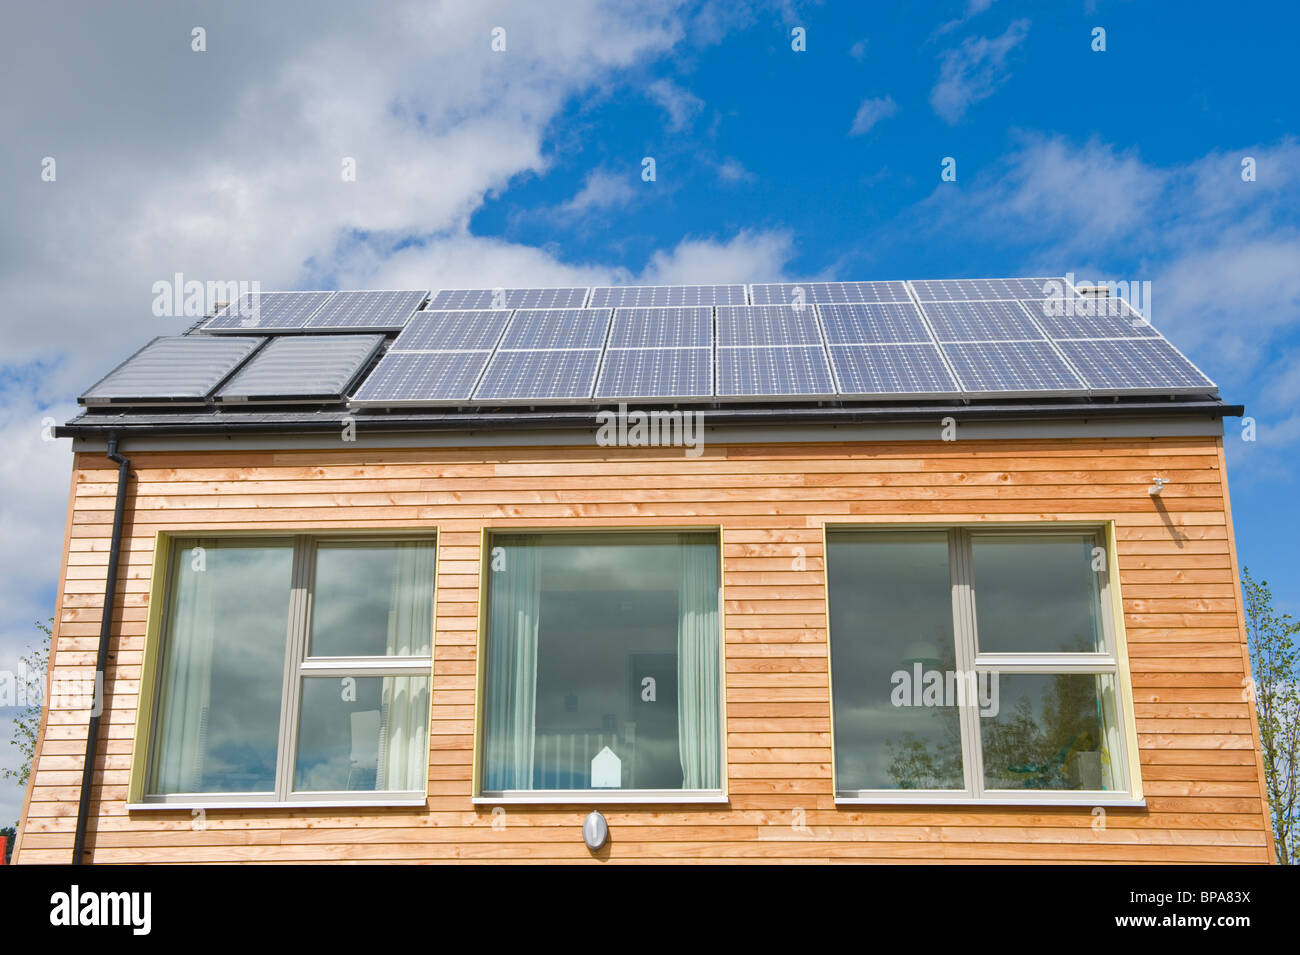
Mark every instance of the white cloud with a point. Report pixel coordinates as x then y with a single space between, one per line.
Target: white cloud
602 189
681 105
973 9
858 50
748 257
974 70
871 112
733 171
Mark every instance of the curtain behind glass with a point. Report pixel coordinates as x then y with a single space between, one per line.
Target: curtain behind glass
698 716
403 749
510 720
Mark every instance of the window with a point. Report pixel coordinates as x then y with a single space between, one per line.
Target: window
974 665
295 669
602 664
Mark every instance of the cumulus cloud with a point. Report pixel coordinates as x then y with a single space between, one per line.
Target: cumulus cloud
974 70
871 112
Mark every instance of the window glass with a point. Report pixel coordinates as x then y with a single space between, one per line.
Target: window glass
372 599
602 663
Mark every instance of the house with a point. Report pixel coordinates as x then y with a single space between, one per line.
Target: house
928 571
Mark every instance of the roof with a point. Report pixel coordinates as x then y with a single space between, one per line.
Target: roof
828 352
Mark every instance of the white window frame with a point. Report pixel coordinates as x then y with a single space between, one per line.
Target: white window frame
969 659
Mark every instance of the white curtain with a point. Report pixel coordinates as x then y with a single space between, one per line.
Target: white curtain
404 723
698 717
511 711
187 676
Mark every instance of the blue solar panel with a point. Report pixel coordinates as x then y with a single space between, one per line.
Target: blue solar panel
891 370
537 376
268 312
361 311
981 322
452 331
1135 365
786 371
828 293
633 373
966 290
556 328
1090 317
689 327
1026 367
651 296
471 298
894 322
422 378
767 325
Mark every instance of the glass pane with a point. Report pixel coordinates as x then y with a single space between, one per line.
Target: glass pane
373 599
363 734
1036 594
603 663
893 662
222 665
1053 731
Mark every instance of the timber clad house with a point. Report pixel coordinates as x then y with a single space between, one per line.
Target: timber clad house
928 571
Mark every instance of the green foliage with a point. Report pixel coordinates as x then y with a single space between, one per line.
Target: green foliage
28 722
1275 663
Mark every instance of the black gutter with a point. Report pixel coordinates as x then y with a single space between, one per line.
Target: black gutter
101 658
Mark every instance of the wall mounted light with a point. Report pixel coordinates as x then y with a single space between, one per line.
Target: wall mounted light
595 830
1157 486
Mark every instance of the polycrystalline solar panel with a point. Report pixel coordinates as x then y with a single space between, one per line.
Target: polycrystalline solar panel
354 311
828 293
1089 318
422 378
632 373
789 371
868 324
268 312
557 328
660 296
965 290
1023 367
683 327
1141 365
182 369
453 331
467 298
981 322
891 370
298 367
767 325
539 376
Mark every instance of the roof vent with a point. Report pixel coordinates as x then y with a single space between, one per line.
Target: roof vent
1096 291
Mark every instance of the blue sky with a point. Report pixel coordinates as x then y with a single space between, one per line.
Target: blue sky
523 166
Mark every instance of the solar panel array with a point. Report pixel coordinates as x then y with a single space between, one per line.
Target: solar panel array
285 312
302 368
183 369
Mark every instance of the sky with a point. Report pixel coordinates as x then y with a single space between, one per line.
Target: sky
505 144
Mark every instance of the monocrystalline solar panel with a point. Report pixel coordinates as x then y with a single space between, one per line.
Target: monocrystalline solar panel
634 373
1025 367
453 331
557 328
867 371
1135 365
873 324
302 367
828 293
363 311
465 298
178 370
767 325
659 296
981 322
964 290
539 376
422 378
788 371
1089 317
268 312
681 327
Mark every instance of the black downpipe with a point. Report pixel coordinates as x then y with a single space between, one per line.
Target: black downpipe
101 658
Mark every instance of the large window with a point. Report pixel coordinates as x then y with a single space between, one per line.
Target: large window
602 669
293 669
974 665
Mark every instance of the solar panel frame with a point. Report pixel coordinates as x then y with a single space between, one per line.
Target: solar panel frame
165 356
614 369
874 323
580 365
877 363
977 362
649 327
348 357
767 325
1082 325
830 293
728 358
1081 353
987 320
666 296
365 310
550 329
562 296
976 290
470 330
411 379
276 312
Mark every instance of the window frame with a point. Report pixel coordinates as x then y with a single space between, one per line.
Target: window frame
298 665
569 797
1112 661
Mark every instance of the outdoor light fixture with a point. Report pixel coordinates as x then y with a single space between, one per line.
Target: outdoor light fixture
1158 486
595 830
